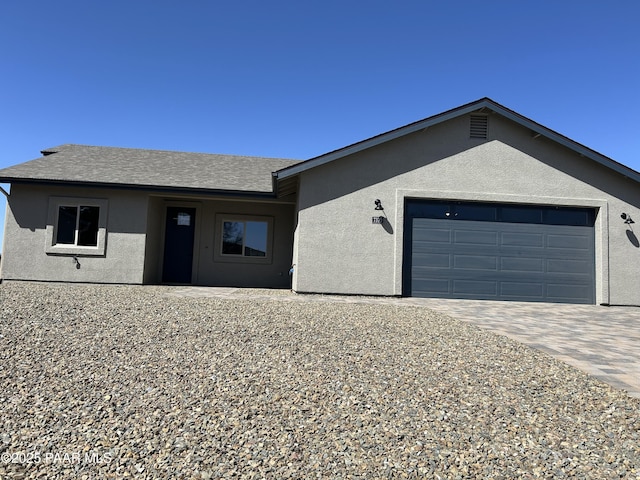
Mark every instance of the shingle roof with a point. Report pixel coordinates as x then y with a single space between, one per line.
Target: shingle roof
148 168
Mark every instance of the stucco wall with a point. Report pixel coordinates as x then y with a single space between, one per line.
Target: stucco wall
25 241
211 269
154 241
135 240
338 249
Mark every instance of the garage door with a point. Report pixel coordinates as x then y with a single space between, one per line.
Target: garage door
499 252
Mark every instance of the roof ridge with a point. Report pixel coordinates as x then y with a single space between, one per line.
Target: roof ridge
57 149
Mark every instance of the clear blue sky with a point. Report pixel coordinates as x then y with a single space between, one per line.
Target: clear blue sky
297 79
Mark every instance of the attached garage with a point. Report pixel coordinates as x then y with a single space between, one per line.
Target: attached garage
477 202
499 251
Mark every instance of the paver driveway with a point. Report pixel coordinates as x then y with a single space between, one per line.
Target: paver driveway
601 341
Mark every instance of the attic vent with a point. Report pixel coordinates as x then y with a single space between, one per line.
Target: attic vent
479 126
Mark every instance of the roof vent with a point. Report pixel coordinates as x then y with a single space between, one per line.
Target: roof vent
479 126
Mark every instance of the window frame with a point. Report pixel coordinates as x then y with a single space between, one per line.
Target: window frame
54 248
218 256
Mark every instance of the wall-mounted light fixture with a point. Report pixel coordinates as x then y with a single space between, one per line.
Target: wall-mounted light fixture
379 220
627 219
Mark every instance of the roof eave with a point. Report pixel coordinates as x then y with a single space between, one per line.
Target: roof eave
147 188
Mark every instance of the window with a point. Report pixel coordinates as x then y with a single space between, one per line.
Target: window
248 239
76 226
244 238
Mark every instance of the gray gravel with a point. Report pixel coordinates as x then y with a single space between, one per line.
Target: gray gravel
119 381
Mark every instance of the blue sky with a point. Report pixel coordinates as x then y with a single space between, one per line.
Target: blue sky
297 79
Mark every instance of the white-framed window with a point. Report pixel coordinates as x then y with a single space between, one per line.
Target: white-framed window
76 226
243 238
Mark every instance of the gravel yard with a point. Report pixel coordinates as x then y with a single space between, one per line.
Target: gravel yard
128 381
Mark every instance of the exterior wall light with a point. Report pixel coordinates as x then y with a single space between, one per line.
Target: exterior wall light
378 220
627 219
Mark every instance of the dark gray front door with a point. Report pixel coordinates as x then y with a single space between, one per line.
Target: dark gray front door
497 252
178 245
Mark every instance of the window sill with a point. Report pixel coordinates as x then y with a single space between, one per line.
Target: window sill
75 250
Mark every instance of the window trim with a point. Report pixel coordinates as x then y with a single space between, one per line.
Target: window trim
218 256
52 248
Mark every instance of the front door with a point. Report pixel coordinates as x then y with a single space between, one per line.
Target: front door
178 245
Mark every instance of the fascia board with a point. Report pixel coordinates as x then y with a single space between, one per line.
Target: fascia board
144 188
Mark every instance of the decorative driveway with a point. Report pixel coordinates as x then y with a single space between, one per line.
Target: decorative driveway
601 341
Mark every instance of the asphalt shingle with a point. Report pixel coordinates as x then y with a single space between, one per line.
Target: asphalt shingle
149 168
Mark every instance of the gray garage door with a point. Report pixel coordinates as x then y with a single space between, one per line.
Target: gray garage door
499 252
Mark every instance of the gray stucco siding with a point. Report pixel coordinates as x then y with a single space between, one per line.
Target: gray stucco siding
26 237
270 273
134 243
211 268
338 249
154 241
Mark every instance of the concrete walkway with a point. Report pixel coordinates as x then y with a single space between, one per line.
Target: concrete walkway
601 341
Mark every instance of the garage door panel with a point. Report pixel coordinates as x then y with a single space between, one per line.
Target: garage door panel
426 247
432 260
475 287
522 264
522 290
568 267
475 262
566 293
422 233
475 237
512 239
498 260
567 241
431 286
